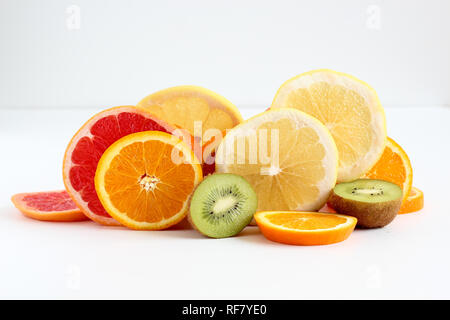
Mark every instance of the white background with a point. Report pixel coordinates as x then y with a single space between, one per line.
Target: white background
244 50
54 75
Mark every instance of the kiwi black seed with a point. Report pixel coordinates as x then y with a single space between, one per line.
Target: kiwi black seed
222 205
375 203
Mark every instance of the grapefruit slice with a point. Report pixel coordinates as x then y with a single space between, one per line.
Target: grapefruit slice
184 105
89 143
348 107
48 206
289 158
145 180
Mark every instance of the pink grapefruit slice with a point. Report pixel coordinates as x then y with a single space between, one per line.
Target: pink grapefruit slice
87 146
48 206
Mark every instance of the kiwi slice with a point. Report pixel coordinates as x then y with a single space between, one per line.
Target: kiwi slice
375 203
222 205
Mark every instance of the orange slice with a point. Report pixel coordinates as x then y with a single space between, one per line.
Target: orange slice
87 146
304 228
414 201
394 166
184 105
48 206
145 180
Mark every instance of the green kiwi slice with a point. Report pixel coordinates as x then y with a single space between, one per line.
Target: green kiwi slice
222 205
375 203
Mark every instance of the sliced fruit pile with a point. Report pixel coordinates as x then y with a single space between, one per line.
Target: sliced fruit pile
300 171
307 170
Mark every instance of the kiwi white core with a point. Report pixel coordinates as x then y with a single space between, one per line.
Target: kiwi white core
224 204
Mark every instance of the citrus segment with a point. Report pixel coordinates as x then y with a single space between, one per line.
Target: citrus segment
288 157
348 107
184 105
414 202
394 166
304 228
88 145
48 206
145 180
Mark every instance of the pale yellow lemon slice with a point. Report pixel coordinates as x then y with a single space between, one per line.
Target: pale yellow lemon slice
289 158
348 107
184 105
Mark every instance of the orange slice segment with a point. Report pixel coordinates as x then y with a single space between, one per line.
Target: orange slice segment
144 180
394 166
304 228
414 202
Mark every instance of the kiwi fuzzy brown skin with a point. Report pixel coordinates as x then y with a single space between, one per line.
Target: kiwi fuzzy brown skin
369 215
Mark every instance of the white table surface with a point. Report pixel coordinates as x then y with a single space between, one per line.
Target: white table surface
407 259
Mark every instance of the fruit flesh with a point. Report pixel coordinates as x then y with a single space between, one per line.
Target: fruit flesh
304 228
348 107
222 205
299 171
50 201
183 105
48 206
414 201
88 145
140 184
305 221
368 190
393 166
375 203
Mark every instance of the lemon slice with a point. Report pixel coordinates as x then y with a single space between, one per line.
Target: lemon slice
348 107
289 158
184 105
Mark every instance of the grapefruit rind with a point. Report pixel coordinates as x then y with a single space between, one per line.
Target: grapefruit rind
84 131
282 234
71 215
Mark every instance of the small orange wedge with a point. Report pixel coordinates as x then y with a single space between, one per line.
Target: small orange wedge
393 166
414 201
145 180
304 228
